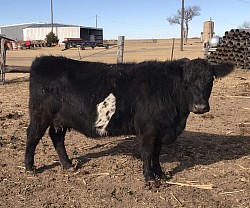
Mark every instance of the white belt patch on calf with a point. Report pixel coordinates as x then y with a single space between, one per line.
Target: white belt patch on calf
105 110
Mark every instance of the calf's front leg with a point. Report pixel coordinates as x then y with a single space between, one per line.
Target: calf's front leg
146 149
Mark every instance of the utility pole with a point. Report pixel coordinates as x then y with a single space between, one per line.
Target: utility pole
51 12
96 21
182 24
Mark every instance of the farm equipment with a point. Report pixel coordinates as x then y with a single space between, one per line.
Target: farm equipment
211 45
214 42
83 43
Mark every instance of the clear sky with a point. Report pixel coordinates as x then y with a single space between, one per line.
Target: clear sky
135 19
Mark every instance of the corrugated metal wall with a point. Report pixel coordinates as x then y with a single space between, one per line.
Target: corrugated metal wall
68 32
14 32
35 33
61 32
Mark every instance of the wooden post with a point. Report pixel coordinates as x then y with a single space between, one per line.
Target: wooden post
120 50
206 53
2 61
172 54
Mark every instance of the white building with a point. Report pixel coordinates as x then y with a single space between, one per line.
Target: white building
38 31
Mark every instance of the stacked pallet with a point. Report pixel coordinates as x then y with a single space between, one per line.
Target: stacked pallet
235 47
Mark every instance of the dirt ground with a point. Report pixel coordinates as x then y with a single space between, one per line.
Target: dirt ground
214 151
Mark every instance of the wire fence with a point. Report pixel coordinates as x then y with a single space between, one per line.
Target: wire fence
93 54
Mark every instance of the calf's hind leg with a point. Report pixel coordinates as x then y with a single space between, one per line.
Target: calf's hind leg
156 161
35 132
58 138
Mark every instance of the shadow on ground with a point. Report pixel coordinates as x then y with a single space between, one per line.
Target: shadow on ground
190 149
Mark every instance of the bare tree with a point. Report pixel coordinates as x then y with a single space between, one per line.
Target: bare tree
189 13
245 25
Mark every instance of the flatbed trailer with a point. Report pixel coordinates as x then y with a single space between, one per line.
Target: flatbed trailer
80 42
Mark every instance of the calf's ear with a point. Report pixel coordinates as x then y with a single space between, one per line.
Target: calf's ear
223 69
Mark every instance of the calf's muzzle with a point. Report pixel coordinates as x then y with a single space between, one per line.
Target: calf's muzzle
200 108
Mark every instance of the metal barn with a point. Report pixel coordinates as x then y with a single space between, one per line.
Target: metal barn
14 32
38 31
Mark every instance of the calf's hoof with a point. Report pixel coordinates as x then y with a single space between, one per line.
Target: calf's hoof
156 182
165 176
70 169
152 185
31 171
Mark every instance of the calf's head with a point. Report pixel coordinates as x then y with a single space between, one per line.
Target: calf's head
198 76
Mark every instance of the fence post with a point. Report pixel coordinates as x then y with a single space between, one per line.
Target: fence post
172 53
120 50
2 61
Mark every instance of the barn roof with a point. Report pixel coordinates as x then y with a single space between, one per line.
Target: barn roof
49 25
43 25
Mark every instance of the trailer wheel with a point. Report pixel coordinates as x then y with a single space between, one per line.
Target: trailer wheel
93 45
107 46
82 47
67 45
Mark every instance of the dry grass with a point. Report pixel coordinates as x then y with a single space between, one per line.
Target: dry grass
135 51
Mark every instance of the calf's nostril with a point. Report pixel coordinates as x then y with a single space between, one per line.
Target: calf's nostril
200 108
